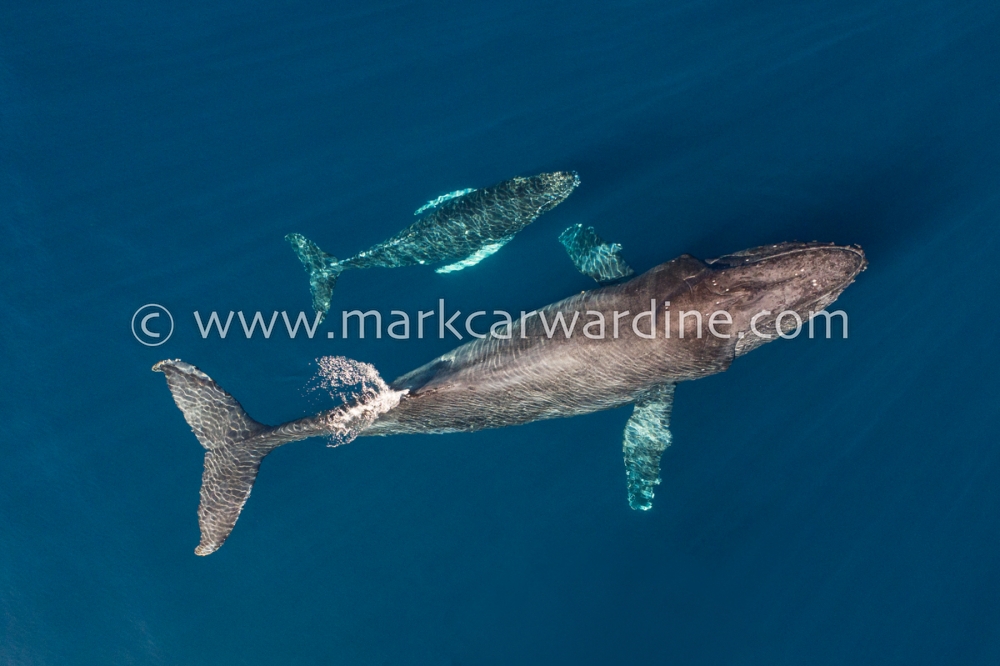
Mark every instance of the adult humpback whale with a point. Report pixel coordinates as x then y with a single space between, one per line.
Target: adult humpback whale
459 230
534 374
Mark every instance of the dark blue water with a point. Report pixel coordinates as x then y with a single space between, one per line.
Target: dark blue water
824 502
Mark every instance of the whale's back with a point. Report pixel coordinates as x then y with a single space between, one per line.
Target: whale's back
496 382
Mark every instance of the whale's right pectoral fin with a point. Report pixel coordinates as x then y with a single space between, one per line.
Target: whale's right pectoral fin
647 436
594 257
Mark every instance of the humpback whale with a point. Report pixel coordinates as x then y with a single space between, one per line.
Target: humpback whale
528 373
457 230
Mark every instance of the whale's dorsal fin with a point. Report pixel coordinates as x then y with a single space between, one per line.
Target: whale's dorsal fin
434 203
594 257
647 435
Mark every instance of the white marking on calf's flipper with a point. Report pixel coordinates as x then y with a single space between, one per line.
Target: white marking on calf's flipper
434 203
475 257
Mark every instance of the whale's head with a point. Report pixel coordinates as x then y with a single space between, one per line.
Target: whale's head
760 284
547 190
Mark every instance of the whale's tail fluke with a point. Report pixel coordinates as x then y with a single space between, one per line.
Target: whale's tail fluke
323 269
234 446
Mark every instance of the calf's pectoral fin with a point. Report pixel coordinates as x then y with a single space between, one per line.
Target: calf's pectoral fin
475 257
434 203
647 436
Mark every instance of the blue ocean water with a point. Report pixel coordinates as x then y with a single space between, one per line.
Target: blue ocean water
824 501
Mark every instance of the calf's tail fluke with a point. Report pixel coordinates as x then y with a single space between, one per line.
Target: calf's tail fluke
323 269
234 446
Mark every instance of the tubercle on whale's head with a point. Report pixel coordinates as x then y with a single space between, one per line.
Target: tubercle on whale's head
548 190
800 277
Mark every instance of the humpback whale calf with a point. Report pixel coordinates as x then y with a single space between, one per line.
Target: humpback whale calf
458 230
533 370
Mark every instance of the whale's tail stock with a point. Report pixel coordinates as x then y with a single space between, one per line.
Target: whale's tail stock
323 269
235 444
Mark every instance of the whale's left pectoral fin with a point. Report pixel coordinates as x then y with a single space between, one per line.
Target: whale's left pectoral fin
647 436
592 256
434 203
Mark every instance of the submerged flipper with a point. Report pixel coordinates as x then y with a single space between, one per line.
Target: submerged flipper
434 203
235 444
592 256
323 269
647 435
475 257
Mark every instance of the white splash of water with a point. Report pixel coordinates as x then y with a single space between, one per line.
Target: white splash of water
361 389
